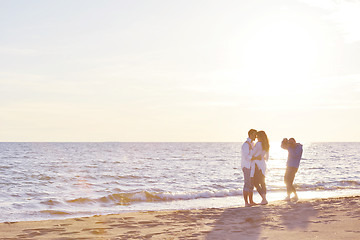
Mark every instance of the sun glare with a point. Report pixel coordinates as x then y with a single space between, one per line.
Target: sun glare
278 51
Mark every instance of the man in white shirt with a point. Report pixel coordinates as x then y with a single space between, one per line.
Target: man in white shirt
246 167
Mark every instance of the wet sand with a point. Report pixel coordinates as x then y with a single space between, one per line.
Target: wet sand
332 218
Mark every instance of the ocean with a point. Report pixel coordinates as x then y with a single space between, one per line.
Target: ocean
41 181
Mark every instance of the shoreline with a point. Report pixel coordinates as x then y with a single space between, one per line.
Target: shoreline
175 205
326 218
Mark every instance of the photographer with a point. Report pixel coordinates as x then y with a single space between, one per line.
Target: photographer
292 165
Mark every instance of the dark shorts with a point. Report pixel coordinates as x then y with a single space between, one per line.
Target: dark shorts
248 186
290 175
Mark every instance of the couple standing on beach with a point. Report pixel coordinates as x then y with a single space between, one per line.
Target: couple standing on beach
253 164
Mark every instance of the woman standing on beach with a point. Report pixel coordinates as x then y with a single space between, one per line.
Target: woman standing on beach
260 154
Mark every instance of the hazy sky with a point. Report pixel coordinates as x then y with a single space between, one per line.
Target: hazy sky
85 70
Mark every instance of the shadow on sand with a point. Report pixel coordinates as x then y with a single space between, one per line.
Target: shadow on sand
249 223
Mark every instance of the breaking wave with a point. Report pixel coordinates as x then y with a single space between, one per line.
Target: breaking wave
145 196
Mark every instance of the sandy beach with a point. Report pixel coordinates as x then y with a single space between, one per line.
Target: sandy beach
333 218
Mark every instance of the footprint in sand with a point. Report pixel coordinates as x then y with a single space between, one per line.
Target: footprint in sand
69 233
96 230
149 236
63 225
105 222
30 235
124 225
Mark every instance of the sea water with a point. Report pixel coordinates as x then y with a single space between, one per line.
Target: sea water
61 180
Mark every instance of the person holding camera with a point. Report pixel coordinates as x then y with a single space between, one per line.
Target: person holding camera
295 151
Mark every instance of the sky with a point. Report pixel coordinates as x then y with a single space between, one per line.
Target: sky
179 71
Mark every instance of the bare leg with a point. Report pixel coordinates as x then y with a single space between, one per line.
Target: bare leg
296 196
256 185
251 201
289 179
263 193
246 195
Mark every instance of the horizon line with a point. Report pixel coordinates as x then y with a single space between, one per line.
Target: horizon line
162 141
